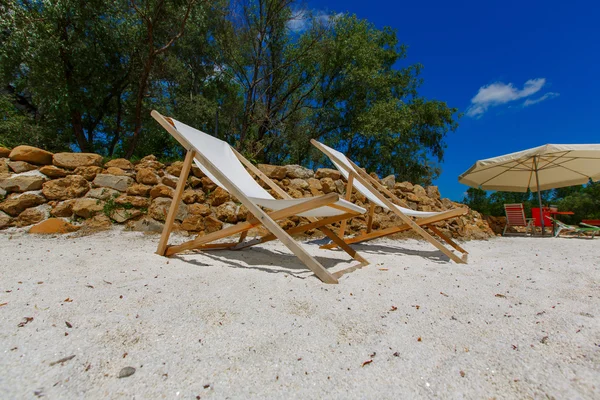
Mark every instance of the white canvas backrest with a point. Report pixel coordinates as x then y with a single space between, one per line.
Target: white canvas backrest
219 153
340 158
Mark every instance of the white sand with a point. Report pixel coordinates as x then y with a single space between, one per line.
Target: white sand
246 327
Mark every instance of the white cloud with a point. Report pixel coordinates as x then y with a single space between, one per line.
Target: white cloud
549 95
301 19
499 93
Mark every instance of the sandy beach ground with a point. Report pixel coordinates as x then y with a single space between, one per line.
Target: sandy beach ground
521 320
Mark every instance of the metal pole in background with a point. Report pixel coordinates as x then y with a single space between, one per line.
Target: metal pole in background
537 181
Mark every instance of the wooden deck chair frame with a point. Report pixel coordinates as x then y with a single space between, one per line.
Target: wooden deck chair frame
378 191
515 216
259 216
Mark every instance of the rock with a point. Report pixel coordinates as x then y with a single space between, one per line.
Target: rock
74 160
133 201
328 185
119 163
146 176
2 194
53 226
328 173
119 183
199 209
66 188
160 208
21 166
207 184
389 181
161 191
242 213
16 204
227 212
150 162
125 372
197 172
273 171
32 215
145 224
97 223
211 224
413 197
138 190
433 192
193 196
218 197
449 204
63 209
295 193
5 220
4 166
87 208
419 191
404 186
103 193
88 173
194 182
31 155
170 181
315 186
340 186
121 215
53 172
115 171
175 168
286 224
24 182
4 152
299 184
193 223
297 171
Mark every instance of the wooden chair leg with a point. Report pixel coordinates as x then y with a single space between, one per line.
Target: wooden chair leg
447 239
348 197
370 219
185 170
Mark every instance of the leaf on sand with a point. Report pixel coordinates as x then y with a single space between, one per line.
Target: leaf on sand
394 308
500 295
419 339
67 300
26 320
366 363
444 294
3 304
62 360
69 325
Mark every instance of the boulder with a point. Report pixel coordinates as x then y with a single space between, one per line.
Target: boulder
218 197
197 172
328 185
21 166
433 192
175 168
97 223
133 201
103 193
161 191
297 171
227 212
328 173
66 188
119 163
138 190
88 173
4 166
31 155
146 176
170 181
273 171
389 181
87 208
32 215
53 172
207 184
24 182
340 186
150 162
193 223
119 183
147 225
54 226
199 209
299 184
4 152
160 208
194 182
193 196
295 193
212 224
404 186
121 215
5 220
115 171
16 204
74 160
419 191
63 209
315 186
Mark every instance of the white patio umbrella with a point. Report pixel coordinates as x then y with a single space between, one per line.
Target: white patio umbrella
540 168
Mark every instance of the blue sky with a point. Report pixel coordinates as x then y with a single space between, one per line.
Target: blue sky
525 73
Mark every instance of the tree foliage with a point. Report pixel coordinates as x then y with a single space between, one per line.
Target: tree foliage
84 75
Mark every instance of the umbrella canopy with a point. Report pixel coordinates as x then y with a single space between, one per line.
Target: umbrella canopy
540 168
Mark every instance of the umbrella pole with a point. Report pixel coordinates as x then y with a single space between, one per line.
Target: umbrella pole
537 181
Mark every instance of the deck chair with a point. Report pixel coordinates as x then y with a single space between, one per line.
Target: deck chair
374 191
225 167
579 230
515 216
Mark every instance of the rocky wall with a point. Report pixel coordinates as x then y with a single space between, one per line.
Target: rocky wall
65 192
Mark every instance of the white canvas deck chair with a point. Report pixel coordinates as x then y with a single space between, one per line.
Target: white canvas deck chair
225 167
369 187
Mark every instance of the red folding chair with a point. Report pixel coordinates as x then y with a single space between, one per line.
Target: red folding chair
515 216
